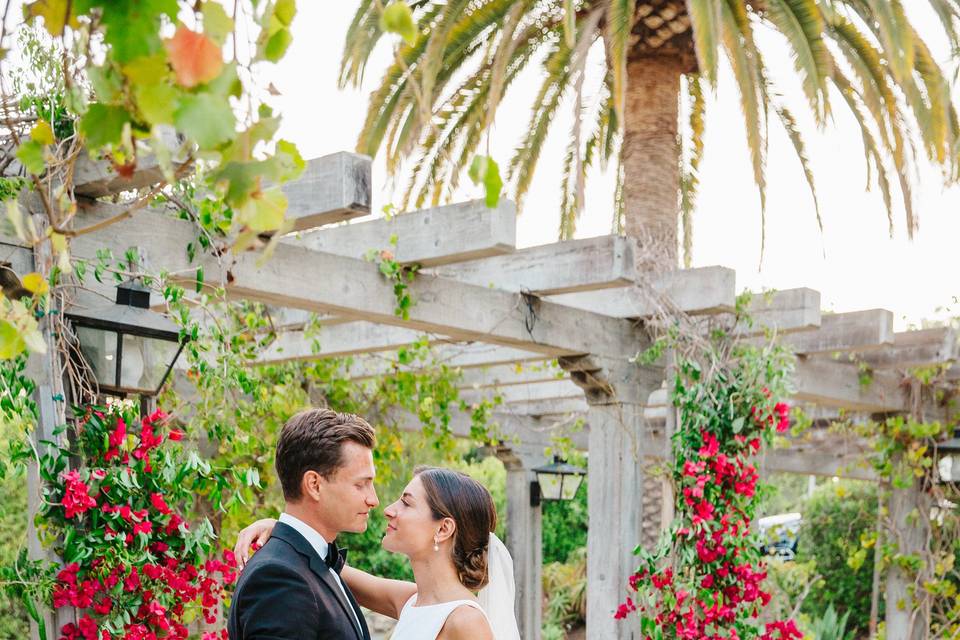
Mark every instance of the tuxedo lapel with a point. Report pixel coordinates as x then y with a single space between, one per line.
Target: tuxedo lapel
322 571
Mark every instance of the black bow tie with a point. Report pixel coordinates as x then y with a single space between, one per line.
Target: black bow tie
336 558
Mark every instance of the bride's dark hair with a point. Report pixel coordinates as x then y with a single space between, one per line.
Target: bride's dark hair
451 494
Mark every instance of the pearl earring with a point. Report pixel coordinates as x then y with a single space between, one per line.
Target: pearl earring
436 545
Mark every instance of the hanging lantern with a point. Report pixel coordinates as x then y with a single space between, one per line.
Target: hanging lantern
558 480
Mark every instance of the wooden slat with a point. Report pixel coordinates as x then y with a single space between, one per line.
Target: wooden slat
783 312
838 384
919 348
437 236
561 267
339 340
297 277
850 332
695 291
97 178
506 375
331 189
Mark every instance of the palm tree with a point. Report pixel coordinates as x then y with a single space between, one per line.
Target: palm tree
442 92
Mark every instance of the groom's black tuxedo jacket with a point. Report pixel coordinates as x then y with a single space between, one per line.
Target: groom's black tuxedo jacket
288 592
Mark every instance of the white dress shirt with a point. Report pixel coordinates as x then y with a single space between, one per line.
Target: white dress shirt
319 545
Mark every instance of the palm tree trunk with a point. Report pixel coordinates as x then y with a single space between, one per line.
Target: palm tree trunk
651 157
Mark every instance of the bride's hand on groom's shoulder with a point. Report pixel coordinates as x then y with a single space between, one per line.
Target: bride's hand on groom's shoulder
251 538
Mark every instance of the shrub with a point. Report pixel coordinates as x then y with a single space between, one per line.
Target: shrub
834 519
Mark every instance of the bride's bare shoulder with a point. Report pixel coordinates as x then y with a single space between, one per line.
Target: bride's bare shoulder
466 623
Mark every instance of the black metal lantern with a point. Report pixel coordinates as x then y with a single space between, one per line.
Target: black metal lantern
948 459
558 480
129 348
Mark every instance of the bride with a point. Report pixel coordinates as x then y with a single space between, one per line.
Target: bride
443 522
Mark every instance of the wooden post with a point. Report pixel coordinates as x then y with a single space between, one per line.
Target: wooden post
525 539
50 397
615 492
907 614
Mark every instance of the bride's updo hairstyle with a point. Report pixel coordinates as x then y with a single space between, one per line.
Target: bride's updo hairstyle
451 494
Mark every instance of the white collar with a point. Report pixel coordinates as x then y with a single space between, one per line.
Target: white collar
312 535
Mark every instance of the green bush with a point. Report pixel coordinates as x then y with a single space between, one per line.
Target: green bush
564 526
834 519
14 622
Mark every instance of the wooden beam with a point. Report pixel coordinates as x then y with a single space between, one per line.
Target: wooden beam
96 178
332 188
430 237
920 348
556 407
529 430
530 392
838 384
695 291
454 355
354 288
783 312
560 267
506 375
339 340
850 332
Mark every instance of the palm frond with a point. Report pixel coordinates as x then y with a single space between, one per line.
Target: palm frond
620 14
796 138
802 23
690 167
705 19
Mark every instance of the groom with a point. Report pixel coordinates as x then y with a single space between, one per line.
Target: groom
291 588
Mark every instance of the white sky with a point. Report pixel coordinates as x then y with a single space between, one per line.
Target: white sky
863 268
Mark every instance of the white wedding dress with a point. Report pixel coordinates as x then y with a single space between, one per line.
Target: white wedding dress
425 622
496 604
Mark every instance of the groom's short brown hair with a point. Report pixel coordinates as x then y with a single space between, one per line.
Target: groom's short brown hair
312 440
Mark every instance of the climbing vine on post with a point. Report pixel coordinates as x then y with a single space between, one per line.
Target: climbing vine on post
705 579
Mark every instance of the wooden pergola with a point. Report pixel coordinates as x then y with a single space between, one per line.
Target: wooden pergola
551 329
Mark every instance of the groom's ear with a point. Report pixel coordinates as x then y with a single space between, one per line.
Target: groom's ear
310 484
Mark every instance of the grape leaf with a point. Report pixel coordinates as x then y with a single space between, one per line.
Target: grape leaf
54 14
206 119
397 18
216 23
102 124
484 170
42 132
265 210
195 58
30 155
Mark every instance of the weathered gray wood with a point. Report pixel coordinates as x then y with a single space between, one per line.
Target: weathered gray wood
614 498
782 312
511 374
560 267
96 178
850 332
515 430
455 355
838 384
338 340
919 348
906 616
451 233
530 392
352 287
332 188
566 407
524 539
695 291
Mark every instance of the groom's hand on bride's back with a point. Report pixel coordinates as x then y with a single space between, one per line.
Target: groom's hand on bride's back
251 538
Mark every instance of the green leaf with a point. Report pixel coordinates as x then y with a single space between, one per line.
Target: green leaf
54 14
484 170
106 82
30 155
156 102
103 124
277 45
265 210
148 69
284 11
216 23
11 342
206 119
42 132
397 18
289 161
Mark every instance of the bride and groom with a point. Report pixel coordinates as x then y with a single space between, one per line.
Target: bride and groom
298 585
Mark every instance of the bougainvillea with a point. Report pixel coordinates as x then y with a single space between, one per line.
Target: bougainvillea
133 567
705 580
